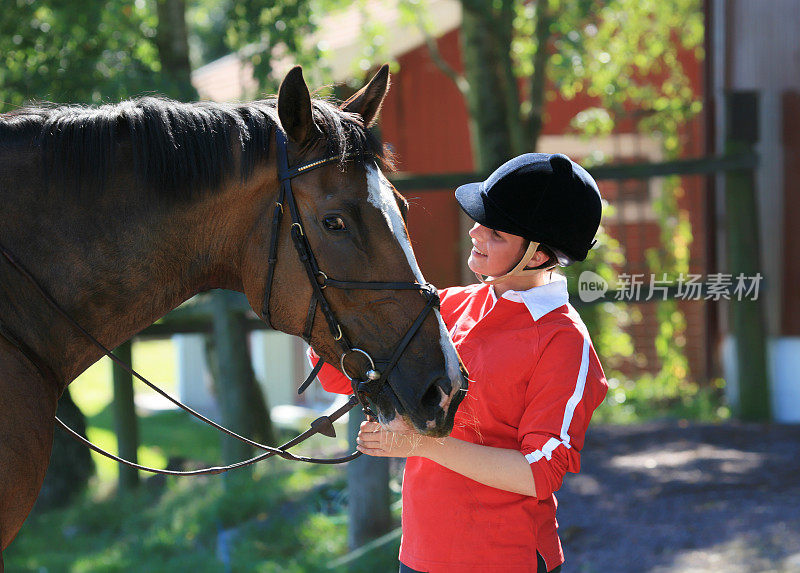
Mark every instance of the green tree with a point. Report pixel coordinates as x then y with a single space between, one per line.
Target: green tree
619 52
67 51
622 54
172 41
92 52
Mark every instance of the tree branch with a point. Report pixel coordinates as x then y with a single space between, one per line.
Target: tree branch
538 80
503 36
478 7
433 49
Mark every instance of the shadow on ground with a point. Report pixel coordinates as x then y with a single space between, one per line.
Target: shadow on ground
675 497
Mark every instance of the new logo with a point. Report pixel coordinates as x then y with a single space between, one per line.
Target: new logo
591 286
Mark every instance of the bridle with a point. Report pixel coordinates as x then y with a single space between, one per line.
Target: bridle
375 379
319 281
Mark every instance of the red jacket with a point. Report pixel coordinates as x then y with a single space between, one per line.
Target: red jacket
535 381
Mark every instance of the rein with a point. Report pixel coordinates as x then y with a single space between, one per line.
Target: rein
322 425
319 281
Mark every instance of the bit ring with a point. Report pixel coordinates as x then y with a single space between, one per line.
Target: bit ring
371 364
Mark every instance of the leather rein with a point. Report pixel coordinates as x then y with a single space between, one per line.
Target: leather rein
319 281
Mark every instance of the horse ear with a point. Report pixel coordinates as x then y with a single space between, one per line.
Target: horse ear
294 108
368 100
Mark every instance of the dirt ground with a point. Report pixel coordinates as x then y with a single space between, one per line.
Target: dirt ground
674 497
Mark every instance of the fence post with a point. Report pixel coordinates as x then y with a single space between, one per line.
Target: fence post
125 422
742 237
368 509
242 404
230 366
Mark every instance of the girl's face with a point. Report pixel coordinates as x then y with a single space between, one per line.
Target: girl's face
494 253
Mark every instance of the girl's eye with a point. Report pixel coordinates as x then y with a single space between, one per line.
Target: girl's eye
334 223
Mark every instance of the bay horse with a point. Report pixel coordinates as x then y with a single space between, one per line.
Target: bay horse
121 212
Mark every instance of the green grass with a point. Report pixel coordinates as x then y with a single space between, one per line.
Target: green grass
153 359
92 391
284 517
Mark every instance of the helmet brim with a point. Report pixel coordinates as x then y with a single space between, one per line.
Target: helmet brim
473 201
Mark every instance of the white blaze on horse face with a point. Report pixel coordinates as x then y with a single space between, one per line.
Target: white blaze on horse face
381 195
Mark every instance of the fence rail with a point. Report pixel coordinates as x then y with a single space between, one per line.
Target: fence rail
641 170
195 317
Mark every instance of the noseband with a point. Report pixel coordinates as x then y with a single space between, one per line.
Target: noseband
374 379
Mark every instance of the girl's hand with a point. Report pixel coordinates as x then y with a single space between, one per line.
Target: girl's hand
374 440
505 469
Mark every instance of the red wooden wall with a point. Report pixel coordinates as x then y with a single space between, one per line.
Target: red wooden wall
425 120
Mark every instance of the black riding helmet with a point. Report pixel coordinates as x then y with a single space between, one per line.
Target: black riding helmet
545 198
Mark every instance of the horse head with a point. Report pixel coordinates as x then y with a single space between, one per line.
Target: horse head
353 225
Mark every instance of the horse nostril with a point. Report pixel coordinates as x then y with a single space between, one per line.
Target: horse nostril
432 398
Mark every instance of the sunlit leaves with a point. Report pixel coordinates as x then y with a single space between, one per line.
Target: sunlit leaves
625 53
594 121
79 52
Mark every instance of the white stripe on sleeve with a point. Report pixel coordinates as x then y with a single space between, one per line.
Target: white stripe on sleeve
553 443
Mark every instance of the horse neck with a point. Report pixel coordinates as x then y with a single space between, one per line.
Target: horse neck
121 263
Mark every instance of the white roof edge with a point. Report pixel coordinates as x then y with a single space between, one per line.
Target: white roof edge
341 33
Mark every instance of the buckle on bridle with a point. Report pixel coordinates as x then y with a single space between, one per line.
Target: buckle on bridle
430 293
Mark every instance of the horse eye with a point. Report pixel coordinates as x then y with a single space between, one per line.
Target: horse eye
334 223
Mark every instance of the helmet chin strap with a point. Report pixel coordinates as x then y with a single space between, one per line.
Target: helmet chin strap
518 271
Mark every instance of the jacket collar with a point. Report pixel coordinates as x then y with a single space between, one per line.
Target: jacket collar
542 299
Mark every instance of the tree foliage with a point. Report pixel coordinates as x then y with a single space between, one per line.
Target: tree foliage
91 52
620 53
63 51
626 55
623 58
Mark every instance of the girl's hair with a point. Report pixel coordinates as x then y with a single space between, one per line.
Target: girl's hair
552 259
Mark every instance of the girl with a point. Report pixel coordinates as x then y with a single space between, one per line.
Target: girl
483 499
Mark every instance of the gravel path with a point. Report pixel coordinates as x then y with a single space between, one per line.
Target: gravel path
688 498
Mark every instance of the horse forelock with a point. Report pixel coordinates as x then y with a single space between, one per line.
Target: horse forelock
180 150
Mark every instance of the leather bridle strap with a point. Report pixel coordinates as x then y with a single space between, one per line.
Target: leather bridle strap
372 386
306 257
320 280
303 248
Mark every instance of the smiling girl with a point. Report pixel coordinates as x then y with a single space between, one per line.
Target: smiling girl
482 499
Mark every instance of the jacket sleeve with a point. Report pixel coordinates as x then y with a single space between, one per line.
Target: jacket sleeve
329 376
566 386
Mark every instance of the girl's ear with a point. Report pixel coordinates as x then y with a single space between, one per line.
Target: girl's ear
539 260
368 100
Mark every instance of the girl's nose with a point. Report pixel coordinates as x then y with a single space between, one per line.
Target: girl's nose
476 230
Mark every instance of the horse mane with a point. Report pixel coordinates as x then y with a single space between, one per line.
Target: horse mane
179 149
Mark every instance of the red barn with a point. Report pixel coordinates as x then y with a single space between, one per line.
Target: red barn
425 120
